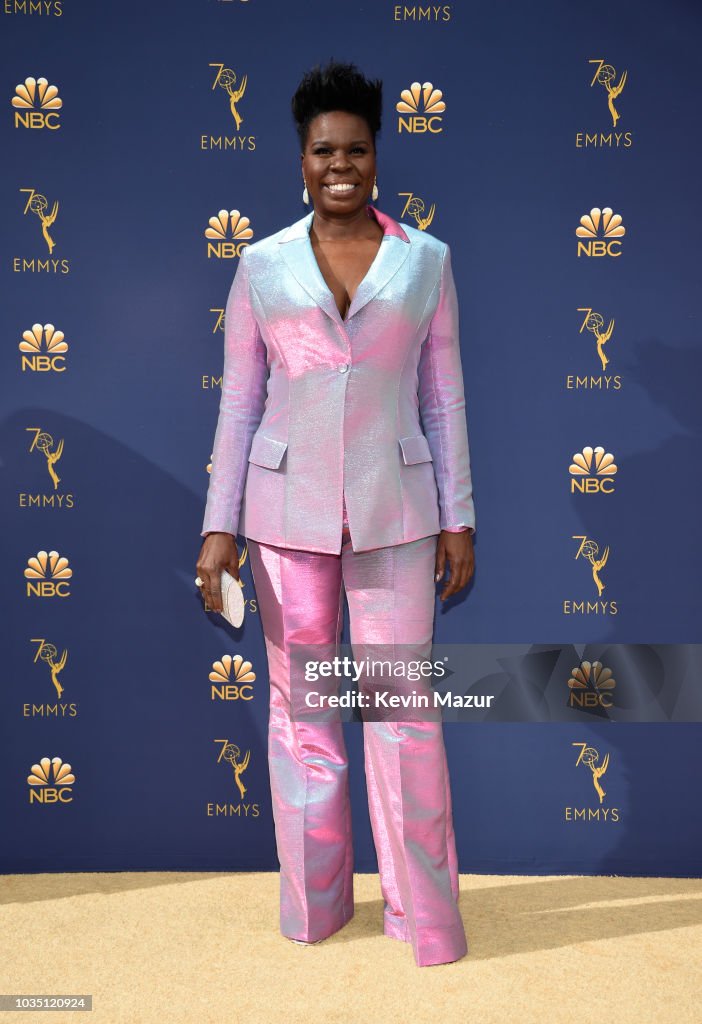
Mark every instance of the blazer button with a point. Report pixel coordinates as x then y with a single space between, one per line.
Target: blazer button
342 367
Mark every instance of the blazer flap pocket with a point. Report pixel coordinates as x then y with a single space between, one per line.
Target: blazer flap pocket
267 451
415 449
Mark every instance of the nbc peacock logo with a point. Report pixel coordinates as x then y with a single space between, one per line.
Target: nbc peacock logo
592 471
37 104
43 348
590 686
231 679
51 781
420 108
48 575
602 230
227 235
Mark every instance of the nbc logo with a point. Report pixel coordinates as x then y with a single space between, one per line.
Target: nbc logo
36 104
51 781
229 232
231 678
43 348
47 575
602 229
591 471
419 108
591 685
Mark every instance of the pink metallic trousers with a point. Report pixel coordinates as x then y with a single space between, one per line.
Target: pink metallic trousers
391 597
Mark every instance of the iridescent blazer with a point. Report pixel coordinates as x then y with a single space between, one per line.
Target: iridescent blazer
316 408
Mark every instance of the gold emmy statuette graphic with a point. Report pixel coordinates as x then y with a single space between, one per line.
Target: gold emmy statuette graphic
594 322
414 207
589 464
43 442
605 75
590 685
228 224
232 754
589 757
38 204
36 104
226 79
423 104
232 677
590 549
48 653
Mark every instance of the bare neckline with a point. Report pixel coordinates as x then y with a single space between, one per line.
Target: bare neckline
365 276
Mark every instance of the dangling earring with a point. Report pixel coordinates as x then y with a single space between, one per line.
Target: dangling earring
374 193
305 195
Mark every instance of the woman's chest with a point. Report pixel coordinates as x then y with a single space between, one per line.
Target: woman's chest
297 312
343 267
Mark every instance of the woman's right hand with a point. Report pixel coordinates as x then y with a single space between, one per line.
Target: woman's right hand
218 552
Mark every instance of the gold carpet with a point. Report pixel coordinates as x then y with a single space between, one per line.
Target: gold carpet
178 947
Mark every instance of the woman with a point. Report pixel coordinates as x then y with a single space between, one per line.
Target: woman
341 330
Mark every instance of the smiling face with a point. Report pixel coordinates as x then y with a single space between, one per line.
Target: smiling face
339 150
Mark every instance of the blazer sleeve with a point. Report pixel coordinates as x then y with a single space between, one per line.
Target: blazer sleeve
244 388
442 407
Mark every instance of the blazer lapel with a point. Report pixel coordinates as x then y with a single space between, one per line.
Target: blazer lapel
390 256
296 250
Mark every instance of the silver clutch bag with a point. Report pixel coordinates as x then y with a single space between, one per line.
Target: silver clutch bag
232 599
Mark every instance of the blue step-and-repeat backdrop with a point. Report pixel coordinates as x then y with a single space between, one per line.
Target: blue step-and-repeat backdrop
556 148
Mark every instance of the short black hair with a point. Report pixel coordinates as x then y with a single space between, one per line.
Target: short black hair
338 86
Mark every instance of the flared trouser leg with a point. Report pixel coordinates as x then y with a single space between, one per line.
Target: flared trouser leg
391 597
300 602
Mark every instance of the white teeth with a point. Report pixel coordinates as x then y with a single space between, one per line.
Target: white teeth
340 188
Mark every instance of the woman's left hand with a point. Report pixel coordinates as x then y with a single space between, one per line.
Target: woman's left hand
458 549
